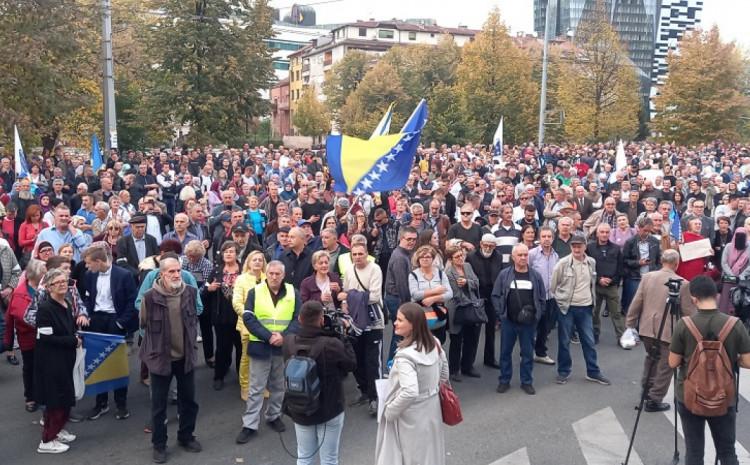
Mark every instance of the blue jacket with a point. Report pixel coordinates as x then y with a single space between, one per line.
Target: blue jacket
124 291
502 289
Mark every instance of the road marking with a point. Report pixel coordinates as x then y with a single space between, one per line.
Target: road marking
745 384
602 439
709 451
519 457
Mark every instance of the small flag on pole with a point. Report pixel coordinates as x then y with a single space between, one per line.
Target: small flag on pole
22 167
96 153
497 139
384 126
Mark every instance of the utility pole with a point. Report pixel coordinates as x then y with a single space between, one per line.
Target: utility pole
108 79
551 9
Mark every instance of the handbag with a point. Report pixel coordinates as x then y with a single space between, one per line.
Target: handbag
375 311
527 314
79 373
450 406
436 314
471 313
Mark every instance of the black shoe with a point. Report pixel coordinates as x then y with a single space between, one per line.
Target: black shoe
502 388
605 313
97 412
492 364
361 400
245 435
75 417
191 446
455 378
122 413
160 455
528 389
653 406
574 339
218 384
277 425
472 373
12 359
210 363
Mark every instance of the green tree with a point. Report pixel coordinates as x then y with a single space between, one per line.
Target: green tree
494 79
312 117
210 64
598 90
447 122
49 68
705 96
344 78
365 106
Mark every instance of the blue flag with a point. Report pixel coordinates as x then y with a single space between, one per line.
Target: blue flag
676 231
378 164
96 154
106 360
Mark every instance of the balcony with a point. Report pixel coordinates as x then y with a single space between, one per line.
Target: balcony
306 68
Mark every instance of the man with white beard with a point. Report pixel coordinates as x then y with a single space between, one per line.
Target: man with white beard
486 263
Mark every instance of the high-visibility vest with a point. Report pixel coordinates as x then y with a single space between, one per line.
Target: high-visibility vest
275 318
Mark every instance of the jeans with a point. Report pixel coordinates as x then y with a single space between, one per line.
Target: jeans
722 428
629 286
187 408
325 436
544 327
581 319
392 303
368 348
509 332
463 348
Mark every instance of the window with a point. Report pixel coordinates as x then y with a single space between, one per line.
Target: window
385 34
362 31
412 35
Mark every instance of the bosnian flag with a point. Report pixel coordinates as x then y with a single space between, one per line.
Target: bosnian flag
384 126
22 167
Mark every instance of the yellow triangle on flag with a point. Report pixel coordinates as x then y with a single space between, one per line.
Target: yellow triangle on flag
359 156
113 367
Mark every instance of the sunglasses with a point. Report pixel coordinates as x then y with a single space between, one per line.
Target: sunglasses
466 213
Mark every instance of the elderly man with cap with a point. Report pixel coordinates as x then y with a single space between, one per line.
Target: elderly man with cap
573 285
486 263
246 240
312 242
135 247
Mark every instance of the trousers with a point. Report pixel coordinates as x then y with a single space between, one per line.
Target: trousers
723 430
187 407
544 327
324 438
662 373
463 348
227 339
264 373
28 374
509 333
207 334
368 348
609 296
54 422
244 373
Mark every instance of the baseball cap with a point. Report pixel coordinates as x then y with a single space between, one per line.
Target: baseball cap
240 228
225 217
577 239
303 222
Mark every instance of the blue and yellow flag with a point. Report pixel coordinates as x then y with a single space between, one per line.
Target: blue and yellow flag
106 362
379 164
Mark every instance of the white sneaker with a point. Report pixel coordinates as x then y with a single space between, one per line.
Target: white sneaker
199 339
546 360
65 436
52 447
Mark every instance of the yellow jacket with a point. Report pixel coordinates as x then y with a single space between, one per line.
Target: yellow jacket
242 286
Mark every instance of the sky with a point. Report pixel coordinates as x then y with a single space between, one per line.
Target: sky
730 15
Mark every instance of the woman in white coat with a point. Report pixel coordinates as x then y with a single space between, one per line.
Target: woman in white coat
411 426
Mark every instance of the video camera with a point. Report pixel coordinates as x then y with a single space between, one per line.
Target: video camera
674 285
333 323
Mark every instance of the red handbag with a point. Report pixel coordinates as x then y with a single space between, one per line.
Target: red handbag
450 405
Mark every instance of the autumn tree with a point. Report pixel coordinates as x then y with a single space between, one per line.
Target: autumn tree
598 89
210 63
311 117
49 84
365 106
704 97
344 78
494 80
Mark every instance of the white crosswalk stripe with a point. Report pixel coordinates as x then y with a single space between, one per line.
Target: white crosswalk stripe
519 457
709 454
745 384
602 439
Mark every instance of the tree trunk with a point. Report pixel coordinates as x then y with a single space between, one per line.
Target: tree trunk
48 143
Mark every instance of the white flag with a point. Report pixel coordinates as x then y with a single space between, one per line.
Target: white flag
21 167
497 139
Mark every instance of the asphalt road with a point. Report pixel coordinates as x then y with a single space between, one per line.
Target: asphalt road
577 423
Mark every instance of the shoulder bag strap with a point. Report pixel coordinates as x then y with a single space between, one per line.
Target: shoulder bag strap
728 326
693 329
518 295
356 275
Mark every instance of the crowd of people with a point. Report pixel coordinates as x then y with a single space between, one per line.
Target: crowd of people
253 253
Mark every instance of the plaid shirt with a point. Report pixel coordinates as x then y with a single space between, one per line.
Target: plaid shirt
201 269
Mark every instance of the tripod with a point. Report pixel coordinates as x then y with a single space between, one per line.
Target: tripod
671 308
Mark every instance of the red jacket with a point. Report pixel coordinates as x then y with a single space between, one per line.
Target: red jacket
14 324
692 268
27 235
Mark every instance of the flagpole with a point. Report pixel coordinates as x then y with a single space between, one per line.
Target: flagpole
551 4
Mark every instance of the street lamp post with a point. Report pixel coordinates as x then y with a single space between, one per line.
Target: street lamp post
551 5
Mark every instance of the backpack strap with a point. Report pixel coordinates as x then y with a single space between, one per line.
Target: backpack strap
693 329
727 328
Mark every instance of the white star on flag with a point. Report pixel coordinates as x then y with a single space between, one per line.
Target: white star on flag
366 183
408 137
398 148
374 176
390 157
382 166
359 192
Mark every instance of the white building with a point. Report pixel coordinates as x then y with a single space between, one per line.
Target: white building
288 39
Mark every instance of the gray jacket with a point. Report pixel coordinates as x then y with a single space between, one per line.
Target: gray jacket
563 281
461 295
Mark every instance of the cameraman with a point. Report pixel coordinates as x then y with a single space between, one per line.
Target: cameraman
648 306
333 358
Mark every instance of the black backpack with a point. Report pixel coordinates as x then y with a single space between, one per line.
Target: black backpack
301 382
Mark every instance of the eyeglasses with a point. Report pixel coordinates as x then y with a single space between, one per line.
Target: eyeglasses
58 283
466 213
